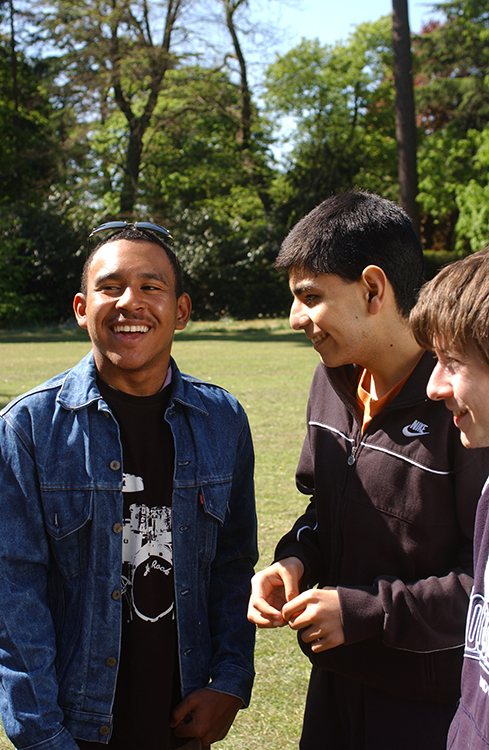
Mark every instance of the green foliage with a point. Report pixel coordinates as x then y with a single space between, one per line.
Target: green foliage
191 152
103 106
39 265
453 104
227 250
472 198
341 99
453 60
26 135
434 260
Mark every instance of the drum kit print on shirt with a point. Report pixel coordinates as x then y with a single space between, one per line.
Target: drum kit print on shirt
147 558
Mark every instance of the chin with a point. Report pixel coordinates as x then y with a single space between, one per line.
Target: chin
482 441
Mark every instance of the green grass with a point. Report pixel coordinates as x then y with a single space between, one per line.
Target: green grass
269 368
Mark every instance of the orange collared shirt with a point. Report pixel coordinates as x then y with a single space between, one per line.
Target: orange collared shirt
371 405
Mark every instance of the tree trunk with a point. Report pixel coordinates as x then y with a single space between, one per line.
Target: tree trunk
243 134
15 100
161 62
405 119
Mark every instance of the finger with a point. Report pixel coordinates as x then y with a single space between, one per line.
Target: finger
291 580
265 621
295 607
182 713
319 645
313 634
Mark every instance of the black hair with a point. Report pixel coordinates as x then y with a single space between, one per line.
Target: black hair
350 231
135 234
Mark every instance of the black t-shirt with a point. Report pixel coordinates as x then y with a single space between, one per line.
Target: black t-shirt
148 684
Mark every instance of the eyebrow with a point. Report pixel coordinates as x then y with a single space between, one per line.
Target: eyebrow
118 276
304 286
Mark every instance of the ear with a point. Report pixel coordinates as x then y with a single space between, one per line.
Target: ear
80 308
184 308
375 286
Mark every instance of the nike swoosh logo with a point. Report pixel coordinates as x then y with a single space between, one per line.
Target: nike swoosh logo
407 432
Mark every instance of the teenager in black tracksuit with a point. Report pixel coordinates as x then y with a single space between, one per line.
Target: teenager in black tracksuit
387 535
392 531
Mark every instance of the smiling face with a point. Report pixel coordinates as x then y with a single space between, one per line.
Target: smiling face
131 313
333 315
462 382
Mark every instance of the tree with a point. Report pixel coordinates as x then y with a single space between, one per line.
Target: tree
112 58
244 124
453 110
194 175
405 118
40 265
340 99
27 137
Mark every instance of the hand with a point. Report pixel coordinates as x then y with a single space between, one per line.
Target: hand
271 589
206 714
318 610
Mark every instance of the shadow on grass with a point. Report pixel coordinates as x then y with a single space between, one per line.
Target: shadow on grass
245 334
248 335
43 336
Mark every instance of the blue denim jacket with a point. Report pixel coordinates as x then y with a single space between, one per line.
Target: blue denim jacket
61 551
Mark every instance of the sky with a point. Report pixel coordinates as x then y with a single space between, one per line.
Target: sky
332 20
328 20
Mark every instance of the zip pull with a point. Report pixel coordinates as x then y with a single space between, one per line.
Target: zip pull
351 457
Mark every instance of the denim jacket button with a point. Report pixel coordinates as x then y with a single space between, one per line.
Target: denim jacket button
116 595
185 592
117 528
115 465
104 731
111 661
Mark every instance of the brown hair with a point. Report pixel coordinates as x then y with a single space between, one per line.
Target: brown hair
453 308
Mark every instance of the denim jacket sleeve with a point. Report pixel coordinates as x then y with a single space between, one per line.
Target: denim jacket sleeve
213 514
230 582
29 685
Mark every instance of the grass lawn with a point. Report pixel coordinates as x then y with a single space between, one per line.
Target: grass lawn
269 368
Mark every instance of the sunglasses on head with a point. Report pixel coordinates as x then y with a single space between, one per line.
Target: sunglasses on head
109 225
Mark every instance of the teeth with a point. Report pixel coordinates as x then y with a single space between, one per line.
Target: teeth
131 329
320 337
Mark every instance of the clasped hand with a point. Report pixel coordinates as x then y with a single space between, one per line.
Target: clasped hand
275 601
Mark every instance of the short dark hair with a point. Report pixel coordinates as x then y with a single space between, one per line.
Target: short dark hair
453 308
348 232
134 235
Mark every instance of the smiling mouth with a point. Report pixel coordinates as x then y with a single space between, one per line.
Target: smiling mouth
131 329
460 413
318 338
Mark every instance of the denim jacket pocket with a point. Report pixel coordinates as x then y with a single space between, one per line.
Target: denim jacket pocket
68 514
214 500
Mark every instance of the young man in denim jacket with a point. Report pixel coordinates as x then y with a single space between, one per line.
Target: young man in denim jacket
129 528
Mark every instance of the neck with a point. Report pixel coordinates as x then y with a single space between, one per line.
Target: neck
398 355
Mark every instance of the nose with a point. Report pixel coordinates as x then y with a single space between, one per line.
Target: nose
439 386
130 299
298 317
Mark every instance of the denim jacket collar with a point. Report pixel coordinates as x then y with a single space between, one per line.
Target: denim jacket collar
79 388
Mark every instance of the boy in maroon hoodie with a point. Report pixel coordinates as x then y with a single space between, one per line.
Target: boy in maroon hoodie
452 318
